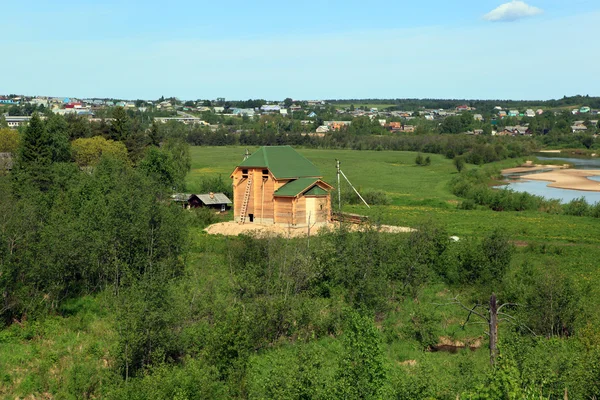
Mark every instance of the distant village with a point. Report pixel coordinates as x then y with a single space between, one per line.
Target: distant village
192 112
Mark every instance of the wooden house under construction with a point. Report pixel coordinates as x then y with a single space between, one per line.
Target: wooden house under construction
277 185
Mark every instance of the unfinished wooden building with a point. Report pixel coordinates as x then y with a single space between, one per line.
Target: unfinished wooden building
277 185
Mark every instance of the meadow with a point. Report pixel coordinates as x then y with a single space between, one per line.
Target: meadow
72 354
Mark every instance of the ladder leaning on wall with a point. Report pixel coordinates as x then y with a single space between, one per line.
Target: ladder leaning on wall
245 202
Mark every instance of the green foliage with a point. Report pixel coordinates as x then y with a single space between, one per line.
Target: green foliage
194 379
146 322
35 156
424 328
361 372
120 127
159 165
372 197
552 302
89 152
59 138
484 261
578 207
9 140
216 184
459 163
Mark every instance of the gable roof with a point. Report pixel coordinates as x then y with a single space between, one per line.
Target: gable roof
299 186
316 191
283 161
218 198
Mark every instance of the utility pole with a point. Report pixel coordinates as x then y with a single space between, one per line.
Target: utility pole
338 185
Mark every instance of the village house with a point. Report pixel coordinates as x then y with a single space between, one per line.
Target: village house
216 201
277 185
337 125
579 128
185 120
400 127
14 121
513 131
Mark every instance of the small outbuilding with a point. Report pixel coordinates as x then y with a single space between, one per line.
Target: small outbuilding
217 201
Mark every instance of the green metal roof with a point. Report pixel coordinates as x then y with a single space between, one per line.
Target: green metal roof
295 187
283 161
316 191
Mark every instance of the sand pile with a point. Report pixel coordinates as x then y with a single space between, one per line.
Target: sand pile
233 229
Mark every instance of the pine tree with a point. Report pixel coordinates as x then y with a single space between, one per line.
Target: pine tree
36 144
35 156
58 136
120 128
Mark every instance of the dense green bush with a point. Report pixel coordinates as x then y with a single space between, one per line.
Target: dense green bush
216 184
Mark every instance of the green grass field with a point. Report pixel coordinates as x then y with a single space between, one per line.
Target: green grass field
417 193
390 171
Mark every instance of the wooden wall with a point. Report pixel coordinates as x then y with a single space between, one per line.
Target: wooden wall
279 210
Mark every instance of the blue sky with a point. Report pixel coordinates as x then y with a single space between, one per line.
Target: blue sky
540 49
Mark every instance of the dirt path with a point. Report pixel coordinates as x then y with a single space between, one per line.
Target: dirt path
233 229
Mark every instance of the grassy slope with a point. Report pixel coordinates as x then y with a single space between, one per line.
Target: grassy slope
60 354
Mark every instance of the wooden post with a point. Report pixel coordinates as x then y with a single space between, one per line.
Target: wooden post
493 329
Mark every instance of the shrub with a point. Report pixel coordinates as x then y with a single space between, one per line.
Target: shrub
216 184
419 160
595 210
578 207
372 197
459 163
467 204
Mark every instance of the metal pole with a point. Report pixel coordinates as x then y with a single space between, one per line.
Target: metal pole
363 200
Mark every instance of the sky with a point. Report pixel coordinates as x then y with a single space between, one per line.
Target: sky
326 49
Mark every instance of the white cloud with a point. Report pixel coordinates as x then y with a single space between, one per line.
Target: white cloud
512 11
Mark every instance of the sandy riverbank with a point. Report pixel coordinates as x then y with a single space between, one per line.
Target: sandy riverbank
532 168
234 229
574 179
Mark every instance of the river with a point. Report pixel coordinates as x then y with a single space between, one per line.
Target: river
540 188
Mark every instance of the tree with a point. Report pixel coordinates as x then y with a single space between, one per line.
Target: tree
361 372
155 135
459 163
88 152
59 138
587 140
287 103
35 155
159 165
9 140
120 128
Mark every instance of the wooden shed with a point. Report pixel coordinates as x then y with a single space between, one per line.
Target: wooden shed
277 185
